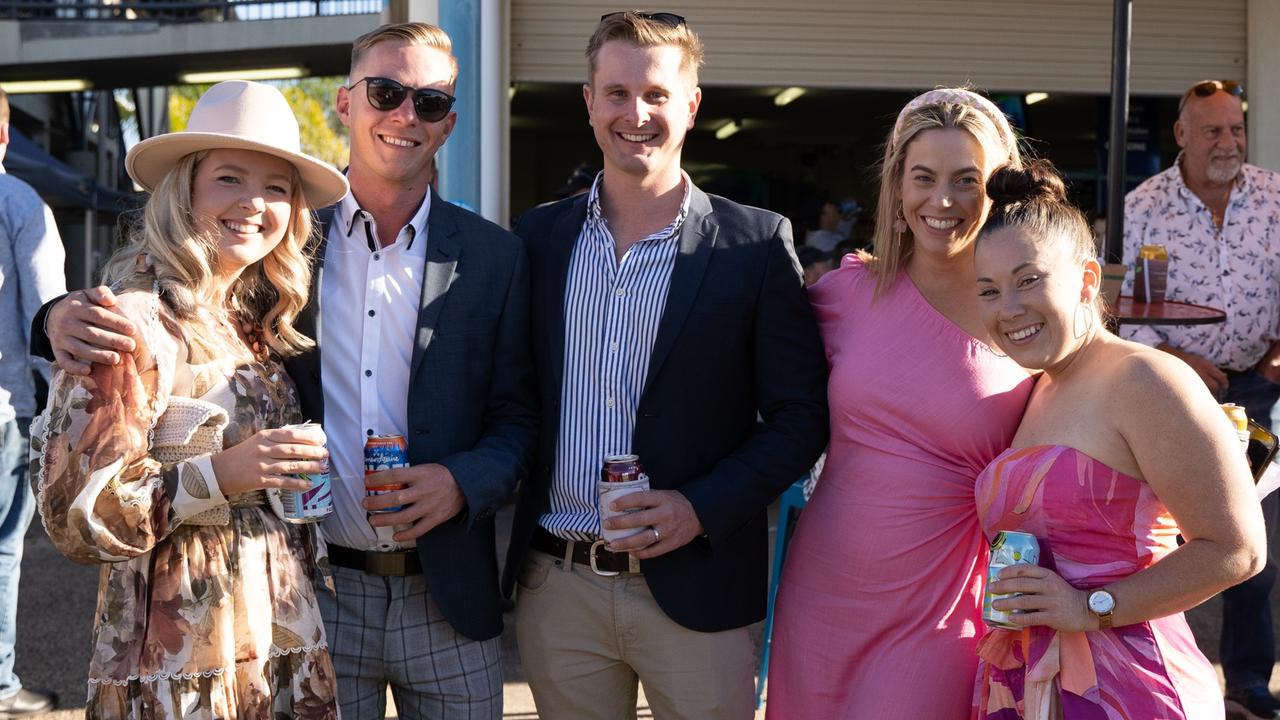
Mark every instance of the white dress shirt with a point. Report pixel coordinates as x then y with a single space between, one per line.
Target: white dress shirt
369 299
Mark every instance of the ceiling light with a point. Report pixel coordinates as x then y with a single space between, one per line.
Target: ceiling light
44 86
1035 97
727 130
1244 105
511 92
279 73
788 96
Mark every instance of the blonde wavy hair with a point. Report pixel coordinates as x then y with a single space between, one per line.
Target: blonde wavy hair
890 249
184 259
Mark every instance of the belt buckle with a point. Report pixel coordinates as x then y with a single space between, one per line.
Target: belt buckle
385 564
591 554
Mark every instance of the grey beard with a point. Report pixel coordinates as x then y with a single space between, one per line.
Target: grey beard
1224 170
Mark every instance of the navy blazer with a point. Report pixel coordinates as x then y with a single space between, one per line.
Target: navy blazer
734 406
471 399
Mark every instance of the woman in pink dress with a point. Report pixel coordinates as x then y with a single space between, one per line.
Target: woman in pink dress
878 613
1121 448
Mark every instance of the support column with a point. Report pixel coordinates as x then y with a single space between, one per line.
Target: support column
1262 85
458 162
473 162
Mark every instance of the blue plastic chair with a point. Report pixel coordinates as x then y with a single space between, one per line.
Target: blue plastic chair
788 512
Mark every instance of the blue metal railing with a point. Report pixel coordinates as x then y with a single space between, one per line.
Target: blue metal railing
171 11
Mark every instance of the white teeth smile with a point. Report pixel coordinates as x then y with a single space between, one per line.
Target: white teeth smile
1024 333
941 224
637 138
398 142
242 229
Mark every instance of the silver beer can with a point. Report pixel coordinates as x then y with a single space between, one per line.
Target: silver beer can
1010 547
316 503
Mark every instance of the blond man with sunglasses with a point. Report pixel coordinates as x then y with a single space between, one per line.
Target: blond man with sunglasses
1216 215
420 313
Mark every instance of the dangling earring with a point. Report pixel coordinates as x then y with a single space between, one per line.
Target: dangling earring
1076 323
900 224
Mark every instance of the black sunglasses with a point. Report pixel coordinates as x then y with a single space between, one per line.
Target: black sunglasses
1209 87
386 94
665 18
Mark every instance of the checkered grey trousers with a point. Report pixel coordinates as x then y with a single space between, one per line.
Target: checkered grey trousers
388 630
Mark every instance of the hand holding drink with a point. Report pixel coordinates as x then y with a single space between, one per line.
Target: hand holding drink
621 475
316 503
384 452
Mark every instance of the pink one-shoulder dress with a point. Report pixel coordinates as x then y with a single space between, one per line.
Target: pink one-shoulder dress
878 614
1095 525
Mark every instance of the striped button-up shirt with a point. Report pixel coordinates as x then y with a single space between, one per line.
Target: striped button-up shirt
611 310
1235 268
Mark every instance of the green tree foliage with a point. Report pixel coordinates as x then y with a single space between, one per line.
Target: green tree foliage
311 99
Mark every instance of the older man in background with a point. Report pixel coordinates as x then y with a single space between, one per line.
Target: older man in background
1217 217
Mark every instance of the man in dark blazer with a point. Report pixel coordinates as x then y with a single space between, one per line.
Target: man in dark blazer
421 311
672 325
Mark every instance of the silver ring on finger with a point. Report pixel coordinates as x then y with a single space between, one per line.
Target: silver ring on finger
657 536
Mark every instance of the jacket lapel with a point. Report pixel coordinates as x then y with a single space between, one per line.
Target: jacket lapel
443 248
310 318
564 237
697 237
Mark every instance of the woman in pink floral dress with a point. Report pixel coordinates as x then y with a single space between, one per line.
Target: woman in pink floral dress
1121 448
162 466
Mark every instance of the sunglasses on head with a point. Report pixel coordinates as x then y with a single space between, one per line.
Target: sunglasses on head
665 18
1209 87
386 94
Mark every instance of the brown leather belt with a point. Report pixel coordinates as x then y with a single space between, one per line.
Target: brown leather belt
397 562
593 555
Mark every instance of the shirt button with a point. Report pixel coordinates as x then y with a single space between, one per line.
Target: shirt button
609 402
620 292
372 313
377 256
368 373
613 346
369 432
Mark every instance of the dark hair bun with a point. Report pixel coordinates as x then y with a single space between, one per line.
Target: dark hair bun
1038 180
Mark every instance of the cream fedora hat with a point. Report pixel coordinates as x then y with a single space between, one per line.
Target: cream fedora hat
238 115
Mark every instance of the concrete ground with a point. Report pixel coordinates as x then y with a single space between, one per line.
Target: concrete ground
55 617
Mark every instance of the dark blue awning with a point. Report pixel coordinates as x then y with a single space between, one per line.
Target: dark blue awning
61 185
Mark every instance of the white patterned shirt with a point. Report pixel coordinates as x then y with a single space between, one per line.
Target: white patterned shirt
612 310
1235 268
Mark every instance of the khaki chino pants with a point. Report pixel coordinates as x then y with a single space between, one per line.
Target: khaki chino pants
586 639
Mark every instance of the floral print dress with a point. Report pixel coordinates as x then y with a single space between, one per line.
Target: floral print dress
206 606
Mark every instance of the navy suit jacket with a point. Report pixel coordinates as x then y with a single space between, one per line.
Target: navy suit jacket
733 408
471 399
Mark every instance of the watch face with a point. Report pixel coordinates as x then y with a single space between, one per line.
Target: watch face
1101 602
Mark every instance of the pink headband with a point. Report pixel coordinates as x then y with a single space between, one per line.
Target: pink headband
958 96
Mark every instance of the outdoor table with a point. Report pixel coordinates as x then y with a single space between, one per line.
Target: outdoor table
1128 311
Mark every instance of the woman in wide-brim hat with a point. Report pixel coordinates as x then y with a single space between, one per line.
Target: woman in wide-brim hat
169 464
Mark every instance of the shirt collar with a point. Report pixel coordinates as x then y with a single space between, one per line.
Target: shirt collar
596 214
354 221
